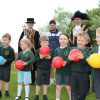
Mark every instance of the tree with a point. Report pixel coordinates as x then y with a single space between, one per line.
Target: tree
94 22
64 23
99 3
62 18
43 29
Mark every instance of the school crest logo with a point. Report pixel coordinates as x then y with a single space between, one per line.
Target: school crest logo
6 53
66 53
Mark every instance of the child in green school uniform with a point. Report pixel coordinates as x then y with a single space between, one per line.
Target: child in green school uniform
63 74
7 52
24 75
96 71
43 63
79 76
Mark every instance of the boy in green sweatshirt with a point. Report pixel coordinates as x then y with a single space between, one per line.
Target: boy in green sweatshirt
79 76
43 63
96 71
7 52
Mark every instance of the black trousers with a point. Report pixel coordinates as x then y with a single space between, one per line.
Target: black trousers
96 78
79 87
33 76
88 82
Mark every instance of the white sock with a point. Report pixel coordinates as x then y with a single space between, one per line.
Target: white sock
57 98
19 90
51 81
27 90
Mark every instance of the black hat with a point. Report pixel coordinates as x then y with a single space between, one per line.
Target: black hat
30 20
80 15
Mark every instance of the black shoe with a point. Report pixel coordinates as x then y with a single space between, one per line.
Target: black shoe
36 97
17 97
45 97
7 94
26 98
0 94
32 83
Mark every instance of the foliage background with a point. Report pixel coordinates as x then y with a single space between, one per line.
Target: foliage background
64 23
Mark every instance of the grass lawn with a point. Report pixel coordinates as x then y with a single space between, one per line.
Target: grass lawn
51 90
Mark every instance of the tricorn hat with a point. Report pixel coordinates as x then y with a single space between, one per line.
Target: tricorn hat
30 20
80 15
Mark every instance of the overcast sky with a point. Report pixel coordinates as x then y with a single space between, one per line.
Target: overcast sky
13 13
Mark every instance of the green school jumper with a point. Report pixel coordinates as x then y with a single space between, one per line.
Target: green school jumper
63 52
80 68
8 54
28 57
96 75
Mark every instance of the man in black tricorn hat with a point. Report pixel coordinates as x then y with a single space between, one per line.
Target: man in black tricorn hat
33 36
79 27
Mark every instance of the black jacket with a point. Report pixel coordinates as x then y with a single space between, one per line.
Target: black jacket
36 41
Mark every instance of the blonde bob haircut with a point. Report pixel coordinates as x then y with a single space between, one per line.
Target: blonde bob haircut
26 41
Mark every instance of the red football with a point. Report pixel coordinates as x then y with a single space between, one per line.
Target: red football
75 54
44 50
57 62
19 64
